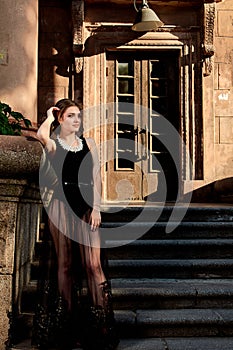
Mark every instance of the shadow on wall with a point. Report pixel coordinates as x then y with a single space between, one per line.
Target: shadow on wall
55 54
220 191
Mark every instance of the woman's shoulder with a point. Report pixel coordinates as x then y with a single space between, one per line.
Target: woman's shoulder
50 146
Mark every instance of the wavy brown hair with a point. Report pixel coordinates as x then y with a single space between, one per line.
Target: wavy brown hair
63 105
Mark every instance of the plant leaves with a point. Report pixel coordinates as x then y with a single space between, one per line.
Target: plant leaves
27 122
5 108
10 121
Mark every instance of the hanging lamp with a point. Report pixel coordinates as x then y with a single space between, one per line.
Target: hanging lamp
146 19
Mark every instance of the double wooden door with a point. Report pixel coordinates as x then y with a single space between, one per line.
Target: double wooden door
143 106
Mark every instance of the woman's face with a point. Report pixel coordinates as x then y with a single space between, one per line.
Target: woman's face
71 119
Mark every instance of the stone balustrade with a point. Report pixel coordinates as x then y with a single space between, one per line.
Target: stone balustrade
19 209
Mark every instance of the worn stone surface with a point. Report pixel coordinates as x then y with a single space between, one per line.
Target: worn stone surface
224 160
127 317
203 343
226 130
5 307
20 157
11 190
141 344
8 216
200 343
173 317
224 49
225 23
225 78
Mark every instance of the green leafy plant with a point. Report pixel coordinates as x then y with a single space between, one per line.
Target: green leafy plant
11 122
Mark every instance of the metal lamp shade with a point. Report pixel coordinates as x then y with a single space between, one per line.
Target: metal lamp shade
146 20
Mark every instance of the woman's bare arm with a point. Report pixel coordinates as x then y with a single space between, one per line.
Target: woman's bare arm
97 188
43 132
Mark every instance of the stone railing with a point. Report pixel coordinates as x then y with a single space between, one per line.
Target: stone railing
19 207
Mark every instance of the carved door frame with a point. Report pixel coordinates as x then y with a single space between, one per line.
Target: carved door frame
94 92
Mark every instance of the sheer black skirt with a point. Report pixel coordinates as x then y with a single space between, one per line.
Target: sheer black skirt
74 294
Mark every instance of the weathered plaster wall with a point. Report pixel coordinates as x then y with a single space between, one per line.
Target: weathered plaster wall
223 90
18 55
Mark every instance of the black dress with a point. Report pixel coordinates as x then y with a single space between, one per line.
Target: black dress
74 295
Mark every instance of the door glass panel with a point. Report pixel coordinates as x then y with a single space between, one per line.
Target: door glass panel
154 163
159 104
124 119
125 164
158 97
124 105
157 145
125 122
124 143
157 69
159 87
125 86
125 151
125 68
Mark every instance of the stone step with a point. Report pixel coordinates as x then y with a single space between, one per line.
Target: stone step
161 230
175 323
155 293
191 343
112 233
212 322
171 268
170 293
166 248
160 212
164 268
171 249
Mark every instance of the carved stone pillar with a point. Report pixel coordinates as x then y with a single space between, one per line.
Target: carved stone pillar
78 44
208 36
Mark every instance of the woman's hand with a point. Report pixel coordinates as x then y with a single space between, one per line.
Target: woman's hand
43 133
95 219
51 113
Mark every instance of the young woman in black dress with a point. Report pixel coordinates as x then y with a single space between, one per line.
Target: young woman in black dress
74 302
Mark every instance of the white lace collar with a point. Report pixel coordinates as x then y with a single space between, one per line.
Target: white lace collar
66 147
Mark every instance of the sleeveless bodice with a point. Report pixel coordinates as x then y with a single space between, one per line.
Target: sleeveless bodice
74 173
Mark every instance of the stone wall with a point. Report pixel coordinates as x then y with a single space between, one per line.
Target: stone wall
223 89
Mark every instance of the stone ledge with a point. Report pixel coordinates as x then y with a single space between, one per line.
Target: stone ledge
20 156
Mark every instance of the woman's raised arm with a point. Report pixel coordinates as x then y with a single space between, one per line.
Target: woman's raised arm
43 132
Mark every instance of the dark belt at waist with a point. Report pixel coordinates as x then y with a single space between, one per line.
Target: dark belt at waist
77 184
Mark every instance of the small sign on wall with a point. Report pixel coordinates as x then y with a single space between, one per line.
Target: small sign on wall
4 42
223 97
3 56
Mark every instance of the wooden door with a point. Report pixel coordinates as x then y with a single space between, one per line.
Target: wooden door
142 90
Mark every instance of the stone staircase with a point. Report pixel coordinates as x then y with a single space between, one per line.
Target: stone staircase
169 286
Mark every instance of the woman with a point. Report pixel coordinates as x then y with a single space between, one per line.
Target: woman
74 307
